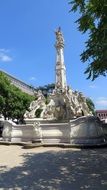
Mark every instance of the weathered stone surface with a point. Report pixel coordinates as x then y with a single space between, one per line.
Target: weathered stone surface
18 133
82 131
61 106
87 131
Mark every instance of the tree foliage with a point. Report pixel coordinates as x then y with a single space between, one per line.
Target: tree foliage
13 102
93 19
46 89
91 105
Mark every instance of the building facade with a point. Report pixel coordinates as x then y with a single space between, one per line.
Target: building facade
20 84
102 114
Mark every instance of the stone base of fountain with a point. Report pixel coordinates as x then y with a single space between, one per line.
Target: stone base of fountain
87 131
83 131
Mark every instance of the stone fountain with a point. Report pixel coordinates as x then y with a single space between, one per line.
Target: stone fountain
64 103
65 119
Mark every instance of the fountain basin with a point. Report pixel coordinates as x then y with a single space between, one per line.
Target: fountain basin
83 131
87 130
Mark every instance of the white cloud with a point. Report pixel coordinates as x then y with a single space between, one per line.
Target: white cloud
32 78
4 57
93 86
4 50
101 101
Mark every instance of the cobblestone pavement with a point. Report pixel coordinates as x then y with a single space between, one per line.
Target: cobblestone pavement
52 168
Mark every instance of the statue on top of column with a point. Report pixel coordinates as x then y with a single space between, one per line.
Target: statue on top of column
59 38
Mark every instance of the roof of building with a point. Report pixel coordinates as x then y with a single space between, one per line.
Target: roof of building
101 111
22 85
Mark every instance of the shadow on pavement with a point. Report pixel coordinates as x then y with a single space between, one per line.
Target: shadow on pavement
63 170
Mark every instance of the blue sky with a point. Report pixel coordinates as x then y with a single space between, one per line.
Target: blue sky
27 45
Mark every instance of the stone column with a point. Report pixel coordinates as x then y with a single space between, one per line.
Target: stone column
61 83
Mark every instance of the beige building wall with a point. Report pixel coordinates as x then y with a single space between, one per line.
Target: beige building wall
20 84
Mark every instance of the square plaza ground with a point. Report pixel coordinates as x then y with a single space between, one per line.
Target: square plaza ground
52 168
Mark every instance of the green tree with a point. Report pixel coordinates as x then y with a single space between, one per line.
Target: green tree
46 89
93 19
91 105
13 102
4 89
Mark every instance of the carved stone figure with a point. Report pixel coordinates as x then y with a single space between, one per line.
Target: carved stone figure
35 105
59 38
37 130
